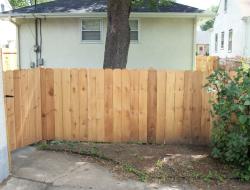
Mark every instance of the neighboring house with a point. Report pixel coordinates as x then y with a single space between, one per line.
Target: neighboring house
72 34
7 29
231 33
4 160
202 42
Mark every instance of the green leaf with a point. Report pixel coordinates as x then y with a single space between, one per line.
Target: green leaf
243 119
247 103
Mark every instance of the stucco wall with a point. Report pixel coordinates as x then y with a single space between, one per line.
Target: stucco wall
225 21
4 164
164 43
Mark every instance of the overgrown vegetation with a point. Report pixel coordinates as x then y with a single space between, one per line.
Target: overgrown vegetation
231 118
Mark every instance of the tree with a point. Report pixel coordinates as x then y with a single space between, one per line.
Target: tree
23 3
118 30
209 23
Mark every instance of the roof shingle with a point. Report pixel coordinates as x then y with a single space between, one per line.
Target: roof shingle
86 6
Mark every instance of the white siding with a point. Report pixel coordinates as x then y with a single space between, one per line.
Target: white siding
163 43
7 29
225 21
247 50
4 163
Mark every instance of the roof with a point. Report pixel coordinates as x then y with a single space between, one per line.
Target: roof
245 7
97 6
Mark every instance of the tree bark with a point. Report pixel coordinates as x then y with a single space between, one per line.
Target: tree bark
118 34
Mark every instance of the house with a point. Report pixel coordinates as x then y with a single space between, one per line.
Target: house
4 160
71 33
231 33
7 29
202 43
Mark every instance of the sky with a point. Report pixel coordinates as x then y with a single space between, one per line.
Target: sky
202 4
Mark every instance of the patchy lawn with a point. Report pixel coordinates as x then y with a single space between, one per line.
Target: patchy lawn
163 164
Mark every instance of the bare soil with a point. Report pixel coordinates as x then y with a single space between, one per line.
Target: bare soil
162 164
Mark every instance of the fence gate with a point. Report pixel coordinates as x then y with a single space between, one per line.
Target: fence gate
23 107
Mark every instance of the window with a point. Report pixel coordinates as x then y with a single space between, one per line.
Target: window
91 30
222 40
216 42
134 30
2 8
225 5
230 41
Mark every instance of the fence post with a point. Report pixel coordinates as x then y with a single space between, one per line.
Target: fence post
4 157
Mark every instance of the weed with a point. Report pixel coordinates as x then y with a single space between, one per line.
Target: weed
159 164
42 146
211 176
142 176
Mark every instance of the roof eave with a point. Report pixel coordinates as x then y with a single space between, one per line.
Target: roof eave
103 14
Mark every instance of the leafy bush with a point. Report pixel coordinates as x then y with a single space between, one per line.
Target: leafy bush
231 118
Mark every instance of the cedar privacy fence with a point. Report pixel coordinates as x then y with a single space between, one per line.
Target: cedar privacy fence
207 63
106 106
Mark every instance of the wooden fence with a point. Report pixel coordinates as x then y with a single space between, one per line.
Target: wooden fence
107 106
207 63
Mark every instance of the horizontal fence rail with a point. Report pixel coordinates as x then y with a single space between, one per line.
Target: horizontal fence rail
99 105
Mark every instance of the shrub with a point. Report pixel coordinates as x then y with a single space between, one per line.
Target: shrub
231 118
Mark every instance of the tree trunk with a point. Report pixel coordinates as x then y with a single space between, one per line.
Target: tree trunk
118 34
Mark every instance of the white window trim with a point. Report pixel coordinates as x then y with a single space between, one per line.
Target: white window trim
101 32
139 31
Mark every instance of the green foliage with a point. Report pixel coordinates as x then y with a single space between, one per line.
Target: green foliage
209 23
231 118
142 176
23 3
152 3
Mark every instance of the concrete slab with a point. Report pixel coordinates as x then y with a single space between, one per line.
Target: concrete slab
42 166
40 170
21 184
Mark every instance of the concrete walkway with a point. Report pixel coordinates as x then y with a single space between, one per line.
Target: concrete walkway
40 170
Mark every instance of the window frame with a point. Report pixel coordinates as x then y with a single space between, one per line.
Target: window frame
222 47
101 31
230 32
225 5
2 6
216 41
139 31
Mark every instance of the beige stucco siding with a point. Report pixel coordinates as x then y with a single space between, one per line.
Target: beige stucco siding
165 43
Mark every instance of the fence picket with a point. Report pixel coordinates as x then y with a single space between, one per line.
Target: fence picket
161 107
117 105
108 108
83 83
143 98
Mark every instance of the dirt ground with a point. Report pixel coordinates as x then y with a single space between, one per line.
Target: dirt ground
162 164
